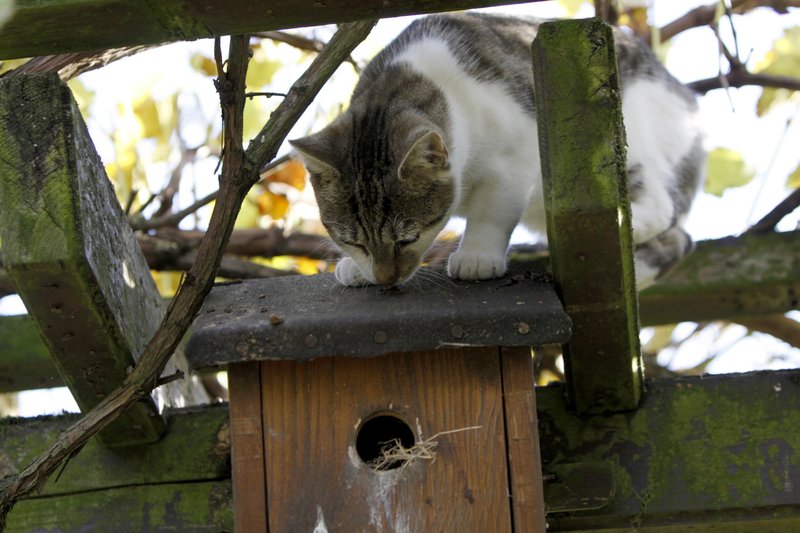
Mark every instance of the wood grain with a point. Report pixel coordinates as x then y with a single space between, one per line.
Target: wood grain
247 449
522 438
312 411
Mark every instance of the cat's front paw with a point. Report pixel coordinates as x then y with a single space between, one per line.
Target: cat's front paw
473 266
348 273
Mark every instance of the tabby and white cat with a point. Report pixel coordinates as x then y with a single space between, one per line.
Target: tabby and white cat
442 123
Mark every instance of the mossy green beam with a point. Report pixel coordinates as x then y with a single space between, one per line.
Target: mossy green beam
711 453
180 483
44 27
582 146
733 277
70 252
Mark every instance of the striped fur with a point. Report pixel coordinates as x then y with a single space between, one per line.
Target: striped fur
443 123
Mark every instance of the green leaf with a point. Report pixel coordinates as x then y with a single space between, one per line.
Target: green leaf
782 60
726 168
793 181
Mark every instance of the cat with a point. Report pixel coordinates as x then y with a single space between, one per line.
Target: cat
442 123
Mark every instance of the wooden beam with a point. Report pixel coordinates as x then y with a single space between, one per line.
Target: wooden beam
195 448
734 277
181 483
43 27
582 145
71 253
201 507
522 441
711 453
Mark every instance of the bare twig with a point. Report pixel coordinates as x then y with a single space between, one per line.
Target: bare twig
173 219
268 94
300 42
240 171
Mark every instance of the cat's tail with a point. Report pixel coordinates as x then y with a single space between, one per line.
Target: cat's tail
661 254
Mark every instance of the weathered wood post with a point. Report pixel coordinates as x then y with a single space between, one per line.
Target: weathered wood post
71 253
323 378
582 146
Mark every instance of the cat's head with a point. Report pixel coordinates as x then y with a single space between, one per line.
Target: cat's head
384 189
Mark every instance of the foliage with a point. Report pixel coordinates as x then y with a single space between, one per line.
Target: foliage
782 60
726 168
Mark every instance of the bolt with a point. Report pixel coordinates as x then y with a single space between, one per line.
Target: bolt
311 341
380 337
457 332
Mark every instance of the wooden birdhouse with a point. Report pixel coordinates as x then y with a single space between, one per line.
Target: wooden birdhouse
382 410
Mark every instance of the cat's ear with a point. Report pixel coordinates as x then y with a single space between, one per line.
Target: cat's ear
318 155
426 158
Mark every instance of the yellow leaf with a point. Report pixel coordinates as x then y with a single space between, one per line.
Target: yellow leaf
255 115
793 182
146 113
260 70
571 7
306 266
204 64
248 215
167 282
273 205
782 60
83 96
11 64
726 168
292 173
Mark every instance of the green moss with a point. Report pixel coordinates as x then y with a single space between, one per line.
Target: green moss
170 507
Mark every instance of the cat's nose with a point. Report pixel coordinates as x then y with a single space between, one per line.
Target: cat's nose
386 278
385 274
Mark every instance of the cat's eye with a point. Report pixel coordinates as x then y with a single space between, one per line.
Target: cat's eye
355 245
407 241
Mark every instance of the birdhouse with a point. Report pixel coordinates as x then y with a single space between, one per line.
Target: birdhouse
374 409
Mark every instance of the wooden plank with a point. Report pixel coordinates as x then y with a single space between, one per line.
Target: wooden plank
42 27
522 439
195 447
247 448
711 453
25 362
71 253
313 411
729 278
203 507
582 144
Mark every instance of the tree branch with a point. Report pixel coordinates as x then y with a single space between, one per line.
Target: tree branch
740 78
771 219
704 15
173 219
239 172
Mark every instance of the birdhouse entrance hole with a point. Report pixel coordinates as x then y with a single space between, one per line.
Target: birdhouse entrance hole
379 433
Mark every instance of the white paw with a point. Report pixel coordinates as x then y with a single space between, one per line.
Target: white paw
472 265
348 273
